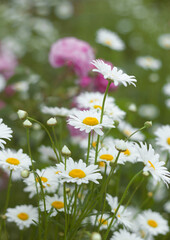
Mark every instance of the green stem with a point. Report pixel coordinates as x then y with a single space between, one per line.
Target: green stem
138 130
8 192
54 134
34 172
101 118
88 150
121 201
65 210
52 142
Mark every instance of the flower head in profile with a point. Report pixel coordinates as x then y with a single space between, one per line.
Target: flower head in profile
78 172
163 137
5 133
153 223
152 164
23 215
102 219
123 215
113 74
14 160
109 39
89 120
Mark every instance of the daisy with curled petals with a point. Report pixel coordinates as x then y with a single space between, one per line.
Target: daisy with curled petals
78 172
152 164
14 160
109 39
23 215
54 204
113 74
89 120
85 99
163 137
5 133
153 223
123 216
123 234
48 178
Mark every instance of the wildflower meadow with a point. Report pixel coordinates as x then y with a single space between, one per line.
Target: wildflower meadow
84 120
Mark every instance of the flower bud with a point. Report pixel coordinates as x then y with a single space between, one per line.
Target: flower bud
146 174
121 146
65 151
27 123
132 107
116 123
96 236
4 217
25 173
52 121
22 114
148 124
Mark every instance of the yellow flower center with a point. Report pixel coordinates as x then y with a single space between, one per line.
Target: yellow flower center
102 221
107 157
151 165
127 132
127 152
152 223
91 121
94 144
168 141
43 179
97 106
13 161
57 172
57 204
93 100
77 173
108 42
23 216
101 164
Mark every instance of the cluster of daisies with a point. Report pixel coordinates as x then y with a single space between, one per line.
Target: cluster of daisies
68 186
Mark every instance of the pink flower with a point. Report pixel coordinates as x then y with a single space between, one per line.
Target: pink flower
85 81
8 62
72 52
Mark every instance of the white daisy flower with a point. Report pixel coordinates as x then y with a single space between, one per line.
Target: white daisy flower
113 74
163 137
85 99
47 153
23 215
54 204
153 222
114 112
14 160
5 133
148 62
106 155
164 41
78 172
102 220
123 215
48 178
109 39
127 130
130 155
152 164
166 89
89 120
167 103
123 234
56 111
148 111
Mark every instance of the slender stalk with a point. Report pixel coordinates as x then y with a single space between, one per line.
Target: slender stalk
121 201
88 149
54 134
49 135
8 192
101 119
138 130
34 172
